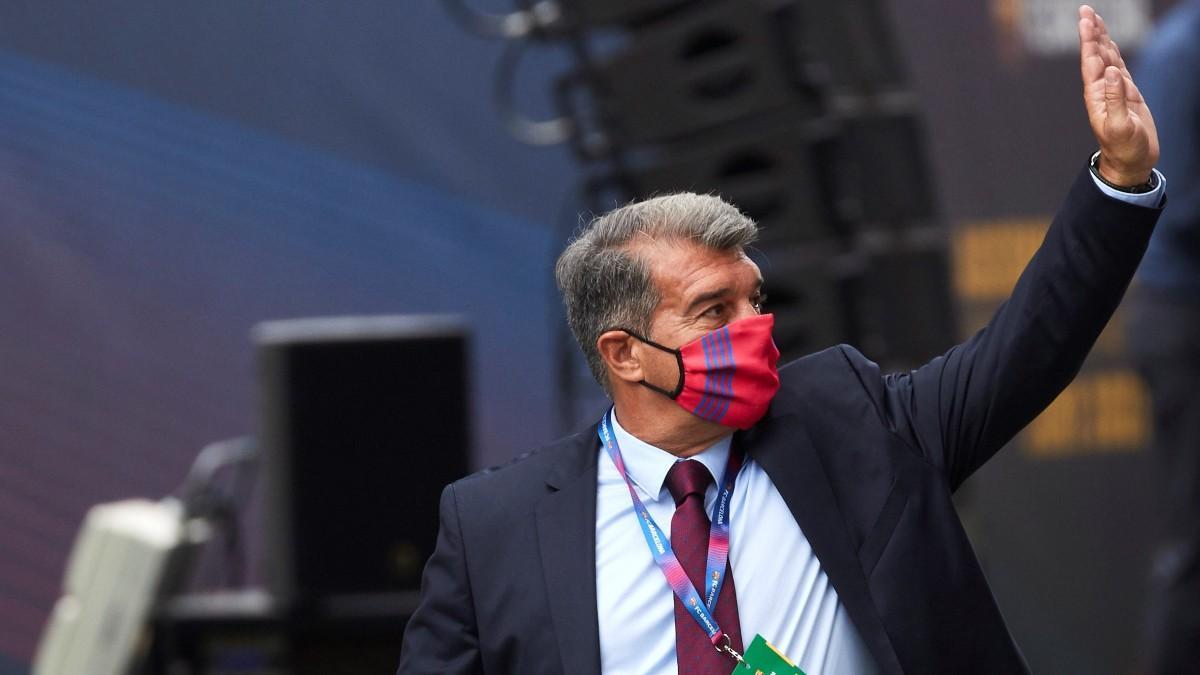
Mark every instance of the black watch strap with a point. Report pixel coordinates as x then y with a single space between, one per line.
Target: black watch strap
1148 186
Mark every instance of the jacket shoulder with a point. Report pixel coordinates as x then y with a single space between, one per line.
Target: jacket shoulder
839 364
524 478
838 382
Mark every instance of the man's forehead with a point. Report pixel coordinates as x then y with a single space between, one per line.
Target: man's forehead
682 268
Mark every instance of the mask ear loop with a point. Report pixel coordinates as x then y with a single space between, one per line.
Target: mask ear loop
673 393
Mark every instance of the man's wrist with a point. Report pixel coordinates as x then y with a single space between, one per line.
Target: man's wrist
1138 183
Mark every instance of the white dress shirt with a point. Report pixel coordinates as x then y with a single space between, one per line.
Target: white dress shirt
782 591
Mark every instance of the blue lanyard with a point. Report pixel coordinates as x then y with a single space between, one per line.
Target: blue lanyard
701 609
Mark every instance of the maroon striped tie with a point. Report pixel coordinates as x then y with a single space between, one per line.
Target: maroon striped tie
687 481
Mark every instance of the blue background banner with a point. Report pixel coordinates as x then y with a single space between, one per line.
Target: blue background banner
171 175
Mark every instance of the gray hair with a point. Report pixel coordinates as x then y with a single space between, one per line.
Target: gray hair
606 285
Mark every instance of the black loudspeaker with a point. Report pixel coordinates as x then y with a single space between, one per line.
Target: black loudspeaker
882 176
772 176
905 308
849 44
694 70
364 421
607 12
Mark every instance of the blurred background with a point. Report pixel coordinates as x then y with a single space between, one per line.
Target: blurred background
172 174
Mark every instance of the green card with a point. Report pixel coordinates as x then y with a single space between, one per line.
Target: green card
762 658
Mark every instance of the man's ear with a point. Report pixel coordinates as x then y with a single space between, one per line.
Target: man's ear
616 347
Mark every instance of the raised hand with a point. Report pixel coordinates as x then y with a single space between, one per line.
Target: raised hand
1118 114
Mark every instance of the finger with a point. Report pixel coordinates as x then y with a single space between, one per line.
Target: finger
1112 55
1114 58
1091 63
1103 28
1115 104
1118 60
1132 93
1108 47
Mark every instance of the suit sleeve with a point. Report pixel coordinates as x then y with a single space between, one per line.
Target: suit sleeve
963 406
442 636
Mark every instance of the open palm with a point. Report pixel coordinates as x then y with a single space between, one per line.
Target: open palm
1118 114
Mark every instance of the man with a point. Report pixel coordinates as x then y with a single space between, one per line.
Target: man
1164 336
832 531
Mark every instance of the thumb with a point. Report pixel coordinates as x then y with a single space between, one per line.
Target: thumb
1114 97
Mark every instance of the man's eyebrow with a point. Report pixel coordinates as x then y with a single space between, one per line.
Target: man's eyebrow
707 297
714 295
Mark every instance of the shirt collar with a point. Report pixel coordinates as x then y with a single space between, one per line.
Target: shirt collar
648 466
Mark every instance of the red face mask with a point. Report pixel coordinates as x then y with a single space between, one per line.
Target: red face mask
728 376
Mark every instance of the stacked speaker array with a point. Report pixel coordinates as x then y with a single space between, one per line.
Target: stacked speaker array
797 111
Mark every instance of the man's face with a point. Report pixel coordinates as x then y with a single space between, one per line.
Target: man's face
700 290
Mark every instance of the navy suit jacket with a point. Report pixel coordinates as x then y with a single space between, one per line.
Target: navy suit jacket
866 461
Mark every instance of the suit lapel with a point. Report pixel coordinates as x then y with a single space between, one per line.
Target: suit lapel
566 529
791 460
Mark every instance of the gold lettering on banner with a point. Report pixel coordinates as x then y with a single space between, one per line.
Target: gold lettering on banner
990 255
1100 412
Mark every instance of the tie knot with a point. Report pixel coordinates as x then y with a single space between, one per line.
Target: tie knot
687 478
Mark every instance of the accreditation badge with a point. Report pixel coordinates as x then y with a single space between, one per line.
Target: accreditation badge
762 658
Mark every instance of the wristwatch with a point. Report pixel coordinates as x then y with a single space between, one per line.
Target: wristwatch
1148 186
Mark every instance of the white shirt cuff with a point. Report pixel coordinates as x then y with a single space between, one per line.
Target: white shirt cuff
1151 199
